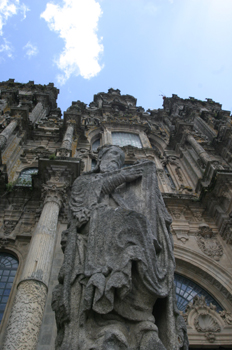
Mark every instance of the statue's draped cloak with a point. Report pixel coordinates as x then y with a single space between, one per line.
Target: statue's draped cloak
134 233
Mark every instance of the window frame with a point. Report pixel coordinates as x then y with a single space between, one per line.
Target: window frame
14 281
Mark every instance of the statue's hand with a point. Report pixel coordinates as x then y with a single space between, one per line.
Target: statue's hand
131 174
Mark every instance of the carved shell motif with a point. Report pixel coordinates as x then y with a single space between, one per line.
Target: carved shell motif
206 323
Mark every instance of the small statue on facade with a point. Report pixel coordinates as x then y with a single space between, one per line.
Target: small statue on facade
116 288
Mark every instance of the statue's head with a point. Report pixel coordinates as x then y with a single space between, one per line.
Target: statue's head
110 158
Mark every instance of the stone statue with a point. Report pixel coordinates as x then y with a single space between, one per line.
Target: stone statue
116 286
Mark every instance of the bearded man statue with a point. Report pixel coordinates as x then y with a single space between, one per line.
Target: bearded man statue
116 285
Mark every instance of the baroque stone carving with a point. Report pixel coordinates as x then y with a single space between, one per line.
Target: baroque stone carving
25 320
182 235
118 266
206 323
199 303
179 174
211 337
208 243
53 193
204 316
63 152
9 226
4 242
226 316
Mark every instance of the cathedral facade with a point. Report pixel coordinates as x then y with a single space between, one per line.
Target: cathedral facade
42 153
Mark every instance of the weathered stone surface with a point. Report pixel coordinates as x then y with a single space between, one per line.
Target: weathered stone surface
116 283
26 316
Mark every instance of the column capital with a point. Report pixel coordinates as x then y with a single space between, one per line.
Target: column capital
54 193
182 130
73 117
71 122
43 98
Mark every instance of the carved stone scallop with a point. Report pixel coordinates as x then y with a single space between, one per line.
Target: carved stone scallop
206 323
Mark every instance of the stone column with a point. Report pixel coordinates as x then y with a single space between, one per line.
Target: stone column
68 137
27 311
38 112
198 148
7 132
66 148
106 137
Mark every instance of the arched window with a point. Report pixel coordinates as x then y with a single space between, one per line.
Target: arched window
25 178
124 139
95 145
186 290
8 269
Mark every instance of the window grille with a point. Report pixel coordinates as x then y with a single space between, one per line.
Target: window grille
8 269
25 178
124 139
186 290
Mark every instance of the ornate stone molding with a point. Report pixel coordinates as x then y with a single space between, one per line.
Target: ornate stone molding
182 235
226 316
206 323
9 226
63 152
197 272
3 242
203 318
208 244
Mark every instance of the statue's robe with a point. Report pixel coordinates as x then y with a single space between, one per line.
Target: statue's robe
119 259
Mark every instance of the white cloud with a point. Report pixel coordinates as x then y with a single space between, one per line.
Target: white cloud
9 8
31 50
77 24
6 48
24 9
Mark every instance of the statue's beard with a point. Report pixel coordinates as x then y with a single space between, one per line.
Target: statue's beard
110 166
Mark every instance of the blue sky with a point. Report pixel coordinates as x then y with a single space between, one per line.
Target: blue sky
145 48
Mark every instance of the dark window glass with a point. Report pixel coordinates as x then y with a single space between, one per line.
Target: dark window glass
95 145
25 178
124 139
94 163
8 268
186 290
